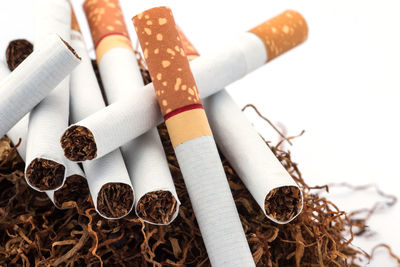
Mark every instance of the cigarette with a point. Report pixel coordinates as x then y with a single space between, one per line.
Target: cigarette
192 139
45 165
34 79
156 198
212 71
86 98
75 187
269 183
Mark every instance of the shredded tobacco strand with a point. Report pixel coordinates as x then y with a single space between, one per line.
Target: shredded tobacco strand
115 199
79 144
45 174
157 207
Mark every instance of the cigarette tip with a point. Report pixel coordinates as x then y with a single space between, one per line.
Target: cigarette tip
70 48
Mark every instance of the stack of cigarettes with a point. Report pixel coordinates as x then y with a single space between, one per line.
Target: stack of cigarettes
60 117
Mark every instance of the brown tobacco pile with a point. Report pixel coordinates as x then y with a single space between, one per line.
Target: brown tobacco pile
157 207
34 232
115 199
45 174
283 203
75 144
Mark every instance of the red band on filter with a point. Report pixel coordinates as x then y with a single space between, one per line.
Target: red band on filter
104 17
182 109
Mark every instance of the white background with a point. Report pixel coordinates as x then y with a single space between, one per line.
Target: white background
342 86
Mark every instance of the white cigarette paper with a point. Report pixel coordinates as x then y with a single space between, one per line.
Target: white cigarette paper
120 74
20 132
48 119
86 99
203 173
144 156
34 79
137 112
192 139
245 150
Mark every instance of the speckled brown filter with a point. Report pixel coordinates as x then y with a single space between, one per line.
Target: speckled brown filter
172 77
166 59
282 33
105 18
107 26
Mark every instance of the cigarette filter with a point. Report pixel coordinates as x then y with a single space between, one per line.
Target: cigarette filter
75 177
34 79
212 71
192 139
45 167
249 155
144 156
86 99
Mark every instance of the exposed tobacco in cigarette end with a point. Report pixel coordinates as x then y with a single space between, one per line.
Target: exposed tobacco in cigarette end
17 51
45 174
157 207
79 144
115 200
283 203
75 187
70 48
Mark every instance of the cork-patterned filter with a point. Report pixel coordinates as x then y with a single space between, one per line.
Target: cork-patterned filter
107 26
190 51
105 18
168 66
282 33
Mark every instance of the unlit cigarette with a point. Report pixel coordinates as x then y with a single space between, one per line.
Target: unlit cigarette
270 184
111 188
45 166
122 121
34 79
192 139
156 198
75 187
